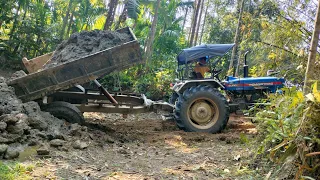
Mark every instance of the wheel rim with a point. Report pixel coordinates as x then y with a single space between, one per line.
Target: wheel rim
203 113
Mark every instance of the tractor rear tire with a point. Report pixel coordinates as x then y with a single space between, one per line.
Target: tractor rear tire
202 109
173 98
66 111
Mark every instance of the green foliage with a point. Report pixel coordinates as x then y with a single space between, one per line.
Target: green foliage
289 131
15 171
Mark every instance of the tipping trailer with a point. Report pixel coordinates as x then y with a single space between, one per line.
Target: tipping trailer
59 92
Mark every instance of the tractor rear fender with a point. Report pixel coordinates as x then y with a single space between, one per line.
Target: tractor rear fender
182 86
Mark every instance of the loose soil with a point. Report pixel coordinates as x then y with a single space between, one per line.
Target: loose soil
110 146
146 147
85 43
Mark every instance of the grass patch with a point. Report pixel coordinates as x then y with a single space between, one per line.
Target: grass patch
14 170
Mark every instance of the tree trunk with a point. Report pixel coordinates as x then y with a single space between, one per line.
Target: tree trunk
111 12
204 22
148 49
65 20
313 52
15 21
185 18
70 23
122 17
194 24
238 64
198 24
236 37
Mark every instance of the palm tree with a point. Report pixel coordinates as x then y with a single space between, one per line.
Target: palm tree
195 22
313 52
112 6
237 36
198 24
130 9
148 48
65 20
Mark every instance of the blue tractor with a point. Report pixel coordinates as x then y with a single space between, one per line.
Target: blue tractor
202 101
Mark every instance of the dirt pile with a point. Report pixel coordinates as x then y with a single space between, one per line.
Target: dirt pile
86 43
23 124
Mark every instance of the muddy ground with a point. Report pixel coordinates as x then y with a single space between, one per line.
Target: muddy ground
146 147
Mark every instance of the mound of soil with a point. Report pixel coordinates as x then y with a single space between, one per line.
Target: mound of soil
86 43
24 124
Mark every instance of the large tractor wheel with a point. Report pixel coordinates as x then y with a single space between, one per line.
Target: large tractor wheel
66 111
173 98
202 109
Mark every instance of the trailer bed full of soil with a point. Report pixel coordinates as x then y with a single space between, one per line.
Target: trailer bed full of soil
81 59
85 43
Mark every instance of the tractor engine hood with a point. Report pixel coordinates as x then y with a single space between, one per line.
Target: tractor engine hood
236 84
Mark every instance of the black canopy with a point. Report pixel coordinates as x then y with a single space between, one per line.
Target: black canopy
196 52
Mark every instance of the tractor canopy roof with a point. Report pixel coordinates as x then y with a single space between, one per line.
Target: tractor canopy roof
206 50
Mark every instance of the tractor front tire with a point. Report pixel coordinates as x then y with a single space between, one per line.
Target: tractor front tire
202 109
66 111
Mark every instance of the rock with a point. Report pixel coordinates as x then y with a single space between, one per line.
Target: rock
18 128
9 119
22 117
2 79
31 107
56 135
17 74
43 151
63 148
8 101
33 142
109 139
37 122
123 151
57 142
75 130
3 140
3 126
34 133
11 154
79 145
3 148
12 129
13 137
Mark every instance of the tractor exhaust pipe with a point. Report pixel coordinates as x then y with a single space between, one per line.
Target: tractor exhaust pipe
245 67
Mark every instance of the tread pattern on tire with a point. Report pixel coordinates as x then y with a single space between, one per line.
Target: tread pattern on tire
173 98
71 113
187 94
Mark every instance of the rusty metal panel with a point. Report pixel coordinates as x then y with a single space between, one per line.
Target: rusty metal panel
64 76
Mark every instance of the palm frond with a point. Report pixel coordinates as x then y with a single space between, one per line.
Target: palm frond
133 9
171 33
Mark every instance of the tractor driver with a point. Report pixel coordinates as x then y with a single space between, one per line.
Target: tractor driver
201 68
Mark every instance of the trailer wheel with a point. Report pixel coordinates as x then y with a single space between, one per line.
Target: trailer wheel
66 111
173 98
202 109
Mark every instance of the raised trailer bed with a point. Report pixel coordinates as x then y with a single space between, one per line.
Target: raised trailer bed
58 91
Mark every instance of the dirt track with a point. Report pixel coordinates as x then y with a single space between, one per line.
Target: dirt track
146 147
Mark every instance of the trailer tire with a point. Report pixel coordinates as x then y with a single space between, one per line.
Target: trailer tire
66 111
202 109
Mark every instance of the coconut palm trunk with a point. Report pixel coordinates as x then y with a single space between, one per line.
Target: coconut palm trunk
148 49
112 6
313 52
236 37
194 24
